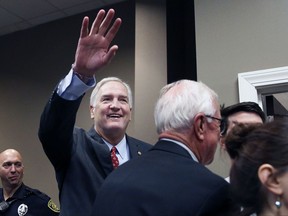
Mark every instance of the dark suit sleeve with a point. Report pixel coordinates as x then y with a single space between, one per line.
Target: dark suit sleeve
56 129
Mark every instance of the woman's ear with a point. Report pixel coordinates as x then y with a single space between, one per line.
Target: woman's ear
269 179
199 126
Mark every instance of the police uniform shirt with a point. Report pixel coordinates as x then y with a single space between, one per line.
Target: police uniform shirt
28 202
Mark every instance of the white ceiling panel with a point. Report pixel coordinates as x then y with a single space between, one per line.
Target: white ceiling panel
17 15
46 18
90 5
64 4
27 9
7 18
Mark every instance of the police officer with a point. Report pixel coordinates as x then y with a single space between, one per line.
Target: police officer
17 199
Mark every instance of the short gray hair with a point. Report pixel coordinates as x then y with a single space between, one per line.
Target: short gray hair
179 102
94 94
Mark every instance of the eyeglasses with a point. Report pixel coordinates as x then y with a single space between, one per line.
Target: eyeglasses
221 121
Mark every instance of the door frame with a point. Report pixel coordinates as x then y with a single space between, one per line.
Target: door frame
256 85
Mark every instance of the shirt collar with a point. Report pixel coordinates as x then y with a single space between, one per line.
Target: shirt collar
183 146
121 147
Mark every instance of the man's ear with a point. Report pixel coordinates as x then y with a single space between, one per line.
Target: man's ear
269 178
92 112
130 114
199 126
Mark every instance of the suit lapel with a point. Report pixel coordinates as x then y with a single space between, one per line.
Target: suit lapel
134 147
100 153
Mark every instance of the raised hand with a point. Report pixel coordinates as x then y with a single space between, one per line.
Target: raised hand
93 50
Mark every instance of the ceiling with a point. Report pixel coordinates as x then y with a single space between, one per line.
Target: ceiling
17 15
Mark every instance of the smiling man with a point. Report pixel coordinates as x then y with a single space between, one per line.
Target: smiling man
17 198
110 107
83 159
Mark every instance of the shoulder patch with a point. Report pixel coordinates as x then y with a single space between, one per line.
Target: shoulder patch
53 206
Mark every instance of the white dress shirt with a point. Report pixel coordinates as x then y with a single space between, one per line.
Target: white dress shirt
122 150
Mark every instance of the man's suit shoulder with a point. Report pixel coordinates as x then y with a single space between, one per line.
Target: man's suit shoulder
139 143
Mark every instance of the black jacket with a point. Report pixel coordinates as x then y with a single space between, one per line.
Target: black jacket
29 202
165 181
81 159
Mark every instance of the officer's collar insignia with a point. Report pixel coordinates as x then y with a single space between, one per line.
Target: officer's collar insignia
53 206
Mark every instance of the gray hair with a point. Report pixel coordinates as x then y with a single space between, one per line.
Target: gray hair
179 102
94 94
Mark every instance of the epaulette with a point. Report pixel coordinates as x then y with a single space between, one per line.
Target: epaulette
37 193
50 204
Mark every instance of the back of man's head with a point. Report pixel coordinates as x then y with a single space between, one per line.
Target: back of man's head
188 112
179 102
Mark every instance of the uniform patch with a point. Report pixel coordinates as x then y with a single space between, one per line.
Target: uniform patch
53 206
22 209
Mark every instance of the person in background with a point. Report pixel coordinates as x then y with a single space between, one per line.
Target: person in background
244 112
15 197
171 179
83 159
258 175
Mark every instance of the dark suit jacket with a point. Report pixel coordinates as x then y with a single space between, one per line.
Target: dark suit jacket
165 181
81 159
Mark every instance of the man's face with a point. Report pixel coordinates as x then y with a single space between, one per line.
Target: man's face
240 117
212 137
112 112
11 168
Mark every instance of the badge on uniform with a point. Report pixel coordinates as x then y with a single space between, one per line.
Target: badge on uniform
22 209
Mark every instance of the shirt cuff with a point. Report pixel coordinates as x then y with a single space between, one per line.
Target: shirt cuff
72 87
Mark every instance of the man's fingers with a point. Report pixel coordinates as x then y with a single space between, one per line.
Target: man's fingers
106 22
110 54
84 28
97 22
113 30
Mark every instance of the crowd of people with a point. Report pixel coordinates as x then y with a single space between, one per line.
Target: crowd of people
106 172
171 178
